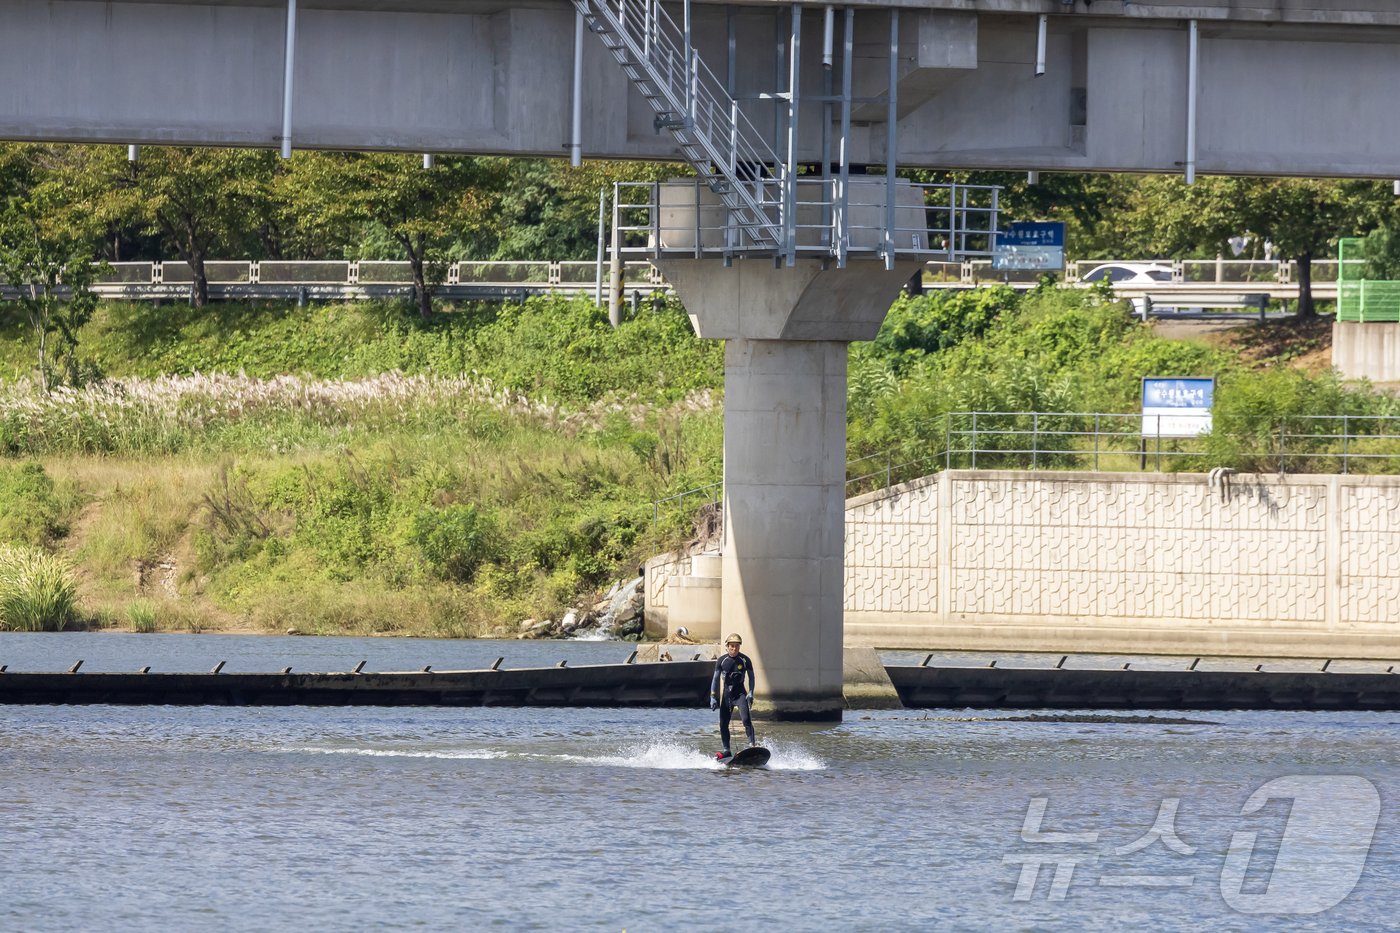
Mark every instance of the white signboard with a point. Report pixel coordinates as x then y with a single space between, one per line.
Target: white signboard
1173 407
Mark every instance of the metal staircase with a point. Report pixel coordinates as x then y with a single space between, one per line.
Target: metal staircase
727 151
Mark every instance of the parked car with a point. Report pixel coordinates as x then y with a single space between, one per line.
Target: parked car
1134 273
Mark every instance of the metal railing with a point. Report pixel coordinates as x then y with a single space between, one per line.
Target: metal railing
1275 278
641 230
1359 298
1135 442
955 223
1102 441
351 280
693 104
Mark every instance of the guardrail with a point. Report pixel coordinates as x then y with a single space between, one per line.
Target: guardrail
1277 279
506 280
361 279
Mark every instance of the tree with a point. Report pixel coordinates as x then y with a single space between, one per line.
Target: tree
1302 216
549 209
421 210
1088 204
37 262
1381 254
202 202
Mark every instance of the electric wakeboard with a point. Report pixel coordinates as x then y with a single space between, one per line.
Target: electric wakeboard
752 757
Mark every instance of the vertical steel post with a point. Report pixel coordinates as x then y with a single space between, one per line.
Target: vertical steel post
891 137
1096 443
1040 38
947 440
289 63
133 153
602 228
779 66
843 224
731 87
1192 80
952 221
576 133
1346 436
828 62
993 222
794 100
689 64
615 265
730 78
698 233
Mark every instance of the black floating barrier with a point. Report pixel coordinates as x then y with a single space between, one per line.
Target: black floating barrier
1127 688
677 684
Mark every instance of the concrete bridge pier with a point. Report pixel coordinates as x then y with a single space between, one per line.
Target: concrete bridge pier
783 568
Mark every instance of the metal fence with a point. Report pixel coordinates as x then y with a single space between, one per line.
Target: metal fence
1101 441
1359 298
684 218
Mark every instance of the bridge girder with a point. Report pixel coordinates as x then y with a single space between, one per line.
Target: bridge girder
1283 90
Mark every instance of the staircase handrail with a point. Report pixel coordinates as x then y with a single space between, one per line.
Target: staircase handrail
707 86
700 102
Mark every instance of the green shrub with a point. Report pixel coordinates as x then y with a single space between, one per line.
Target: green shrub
939 320
454 540
32 511
38 592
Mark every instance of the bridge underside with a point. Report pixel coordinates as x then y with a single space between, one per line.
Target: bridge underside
1279 92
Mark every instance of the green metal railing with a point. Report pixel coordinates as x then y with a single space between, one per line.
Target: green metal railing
1361 299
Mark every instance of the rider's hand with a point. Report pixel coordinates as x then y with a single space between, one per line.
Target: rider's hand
749 698
714 702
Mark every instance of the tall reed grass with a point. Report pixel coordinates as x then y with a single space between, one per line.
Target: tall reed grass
174 414
38 592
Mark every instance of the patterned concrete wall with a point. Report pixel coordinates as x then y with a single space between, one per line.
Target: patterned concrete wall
1120 562
1370 555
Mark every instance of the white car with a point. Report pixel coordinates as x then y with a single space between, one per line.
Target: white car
1133 273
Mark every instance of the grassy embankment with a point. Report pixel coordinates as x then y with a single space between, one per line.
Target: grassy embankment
428 479
368 473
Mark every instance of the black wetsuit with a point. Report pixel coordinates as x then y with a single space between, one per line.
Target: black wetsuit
728 686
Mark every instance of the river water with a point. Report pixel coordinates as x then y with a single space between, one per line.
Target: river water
538 819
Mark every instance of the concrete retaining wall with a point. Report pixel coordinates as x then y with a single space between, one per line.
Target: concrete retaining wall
1367 351
1298 566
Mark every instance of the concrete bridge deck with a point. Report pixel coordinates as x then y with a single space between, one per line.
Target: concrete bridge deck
1285 87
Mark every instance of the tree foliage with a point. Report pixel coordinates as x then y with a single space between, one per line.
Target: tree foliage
38 261
1380 252
422 210
202 203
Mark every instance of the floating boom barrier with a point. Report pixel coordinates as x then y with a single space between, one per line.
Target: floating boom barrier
686 683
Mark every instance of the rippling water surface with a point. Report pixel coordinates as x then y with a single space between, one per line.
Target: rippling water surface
273 818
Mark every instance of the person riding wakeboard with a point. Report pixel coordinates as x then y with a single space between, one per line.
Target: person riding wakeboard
727 691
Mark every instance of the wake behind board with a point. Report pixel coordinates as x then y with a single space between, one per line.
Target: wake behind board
752 757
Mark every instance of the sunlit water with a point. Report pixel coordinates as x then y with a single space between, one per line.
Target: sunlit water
275 818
